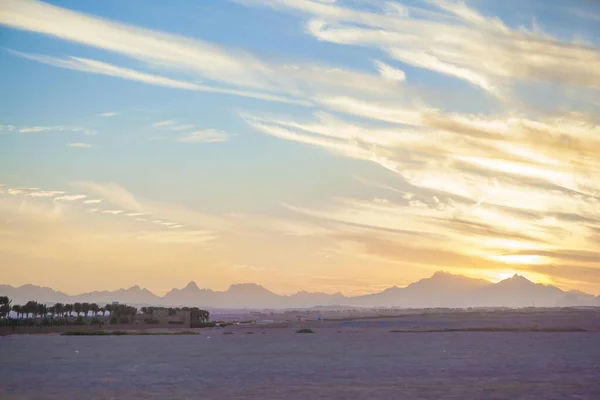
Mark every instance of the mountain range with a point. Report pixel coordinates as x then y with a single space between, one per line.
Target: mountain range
442 289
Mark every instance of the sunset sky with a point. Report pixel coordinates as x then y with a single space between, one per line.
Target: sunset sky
319 145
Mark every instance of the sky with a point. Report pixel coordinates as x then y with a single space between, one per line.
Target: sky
321 145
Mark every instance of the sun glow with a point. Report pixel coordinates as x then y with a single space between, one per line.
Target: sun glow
529 259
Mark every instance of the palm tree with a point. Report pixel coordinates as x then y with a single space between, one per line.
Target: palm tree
18 309
85 308
5 306
132 311
52 311
68 308
59 308
31 307
94 309
42 310
77 308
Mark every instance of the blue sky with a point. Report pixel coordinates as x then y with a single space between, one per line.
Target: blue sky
355 123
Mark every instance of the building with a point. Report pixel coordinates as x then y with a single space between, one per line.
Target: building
165 316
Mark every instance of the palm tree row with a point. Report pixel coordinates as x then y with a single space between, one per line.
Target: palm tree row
119 313
58 310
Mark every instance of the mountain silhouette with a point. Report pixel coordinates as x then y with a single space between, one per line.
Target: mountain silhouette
133 295
190 294
442 289
518 291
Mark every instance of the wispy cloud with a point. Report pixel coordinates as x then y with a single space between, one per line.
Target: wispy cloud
112 193
38 129
19 191
184 127
35 129
389 72
92 201
109 114
71 197
112 212
80 145
102 68
205 136
241 73
173 126
161 124
444 42
467 174
186 237
44 194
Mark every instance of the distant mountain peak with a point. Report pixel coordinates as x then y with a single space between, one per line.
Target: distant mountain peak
244 287
245 284
191 286
516 278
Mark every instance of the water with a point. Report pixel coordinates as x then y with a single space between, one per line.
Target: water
368 364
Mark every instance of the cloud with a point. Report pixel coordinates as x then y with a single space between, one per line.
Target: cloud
38 129
163 123
80 145
112 212
151 46
444 41
171 125
112 193
35 129
92 201
182 127
109 114
185 237
389 72
9 128
233 71
71 197
99 67
468 176
24 191
205 136
44 194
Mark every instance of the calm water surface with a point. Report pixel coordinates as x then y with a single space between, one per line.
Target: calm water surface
371 364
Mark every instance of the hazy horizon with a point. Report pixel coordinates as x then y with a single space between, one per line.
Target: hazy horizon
318 145
200 286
